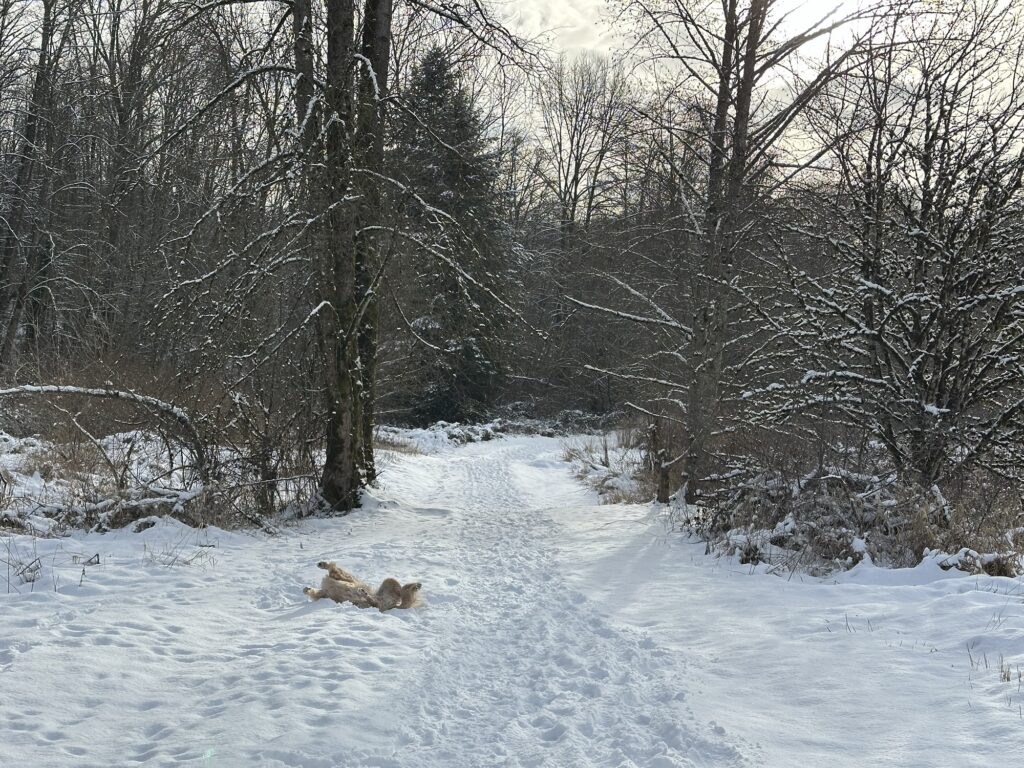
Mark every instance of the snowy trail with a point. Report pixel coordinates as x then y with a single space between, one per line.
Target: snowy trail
876 667
555 633
528 653
223 662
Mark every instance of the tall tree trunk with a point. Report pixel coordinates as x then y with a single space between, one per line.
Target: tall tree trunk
701 389
373 88
728 176
306 113
342 479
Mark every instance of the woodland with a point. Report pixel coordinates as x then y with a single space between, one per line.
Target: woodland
778 256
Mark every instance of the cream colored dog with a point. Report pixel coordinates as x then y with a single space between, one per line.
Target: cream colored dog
342 587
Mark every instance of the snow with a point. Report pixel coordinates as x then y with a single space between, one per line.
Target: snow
555 632
440 435
873 667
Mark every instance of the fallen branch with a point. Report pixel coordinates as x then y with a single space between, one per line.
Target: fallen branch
143 498
168 409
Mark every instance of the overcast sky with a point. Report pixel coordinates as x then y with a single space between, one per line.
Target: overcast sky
584 24
572 24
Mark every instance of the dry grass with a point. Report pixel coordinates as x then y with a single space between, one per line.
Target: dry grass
383 442
6 488
191 548
64 461
613 465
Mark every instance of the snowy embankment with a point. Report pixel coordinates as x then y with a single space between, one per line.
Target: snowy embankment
555 632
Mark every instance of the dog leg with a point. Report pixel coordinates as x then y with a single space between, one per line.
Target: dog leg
336 573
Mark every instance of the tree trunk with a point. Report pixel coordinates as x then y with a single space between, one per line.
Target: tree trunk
728 176
305 111
342 479
373 87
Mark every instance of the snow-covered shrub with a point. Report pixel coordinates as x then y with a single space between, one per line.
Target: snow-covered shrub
833 518
391 439
264 461
993 564
441 434
521 417
86 469
575 421
764 515
615 465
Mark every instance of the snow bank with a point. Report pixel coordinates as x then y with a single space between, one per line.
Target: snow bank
439 436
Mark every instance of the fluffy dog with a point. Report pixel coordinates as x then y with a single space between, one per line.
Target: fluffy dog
391 594
342 587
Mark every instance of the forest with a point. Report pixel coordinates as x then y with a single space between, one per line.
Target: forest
778 256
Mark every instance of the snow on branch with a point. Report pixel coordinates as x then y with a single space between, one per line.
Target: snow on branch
178 414
630 316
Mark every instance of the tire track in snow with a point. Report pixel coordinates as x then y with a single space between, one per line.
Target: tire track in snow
522 671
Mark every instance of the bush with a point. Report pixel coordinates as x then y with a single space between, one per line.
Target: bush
833 518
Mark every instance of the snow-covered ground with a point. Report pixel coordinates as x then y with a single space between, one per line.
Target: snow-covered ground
555 632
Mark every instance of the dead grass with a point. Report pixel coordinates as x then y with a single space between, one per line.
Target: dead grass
613 465
6 488
171 555
383 442
64 461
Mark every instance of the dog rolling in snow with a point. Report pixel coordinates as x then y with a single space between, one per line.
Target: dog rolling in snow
342 587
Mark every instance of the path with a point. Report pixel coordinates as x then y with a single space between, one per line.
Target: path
221 662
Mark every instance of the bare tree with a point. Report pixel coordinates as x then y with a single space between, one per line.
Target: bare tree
23 252
583 103
918 313
733 58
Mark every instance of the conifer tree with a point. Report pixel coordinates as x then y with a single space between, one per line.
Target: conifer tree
442 151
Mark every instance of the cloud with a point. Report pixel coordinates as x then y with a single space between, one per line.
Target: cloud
570 24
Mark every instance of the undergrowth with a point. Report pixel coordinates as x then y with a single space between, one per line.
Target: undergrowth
617 465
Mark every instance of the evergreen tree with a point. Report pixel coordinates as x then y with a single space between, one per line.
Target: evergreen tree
441 152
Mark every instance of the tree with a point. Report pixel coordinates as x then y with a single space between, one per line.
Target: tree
441 151
583 108
918 309
22 249
731 58
307 268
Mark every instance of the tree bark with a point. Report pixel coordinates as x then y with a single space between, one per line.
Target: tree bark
306 114
373 88
728 175
342 480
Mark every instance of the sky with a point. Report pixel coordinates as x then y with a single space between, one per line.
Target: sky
573 25
578 25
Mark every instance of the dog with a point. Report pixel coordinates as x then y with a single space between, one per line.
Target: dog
342 587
